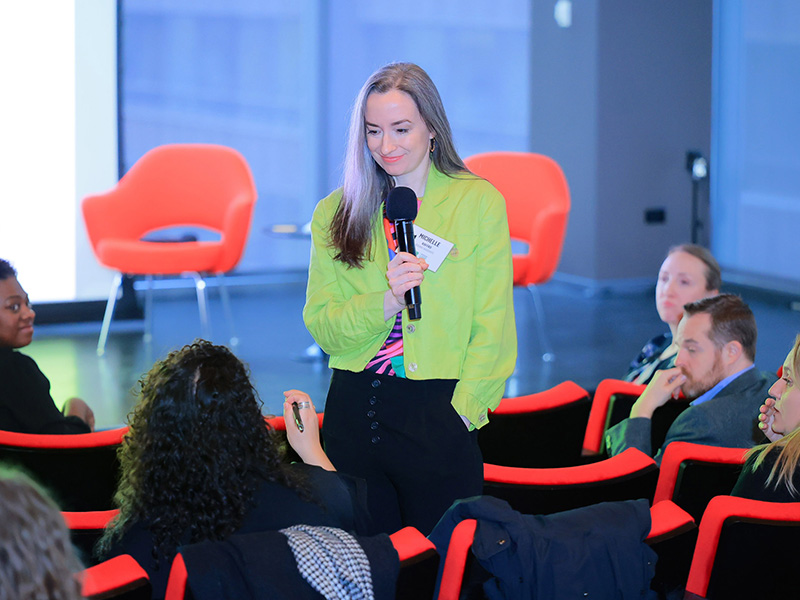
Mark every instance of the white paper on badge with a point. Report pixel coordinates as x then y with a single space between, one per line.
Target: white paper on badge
431 247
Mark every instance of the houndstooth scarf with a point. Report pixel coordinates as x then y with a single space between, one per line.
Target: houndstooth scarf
331 561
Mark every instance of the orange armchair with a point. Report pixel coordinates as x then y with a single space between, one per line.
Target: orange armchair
538 205
201 185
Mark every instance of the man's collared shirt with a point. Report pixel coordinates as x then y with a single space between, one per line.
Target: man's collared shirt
719 387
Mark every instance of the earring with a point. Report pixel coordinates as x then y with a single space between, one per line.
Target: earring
433 144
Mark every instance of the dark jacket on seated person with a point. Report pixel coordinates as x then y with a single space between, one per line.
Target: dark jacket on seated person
25 402
262 566
341 504
728 420
595 552
753 484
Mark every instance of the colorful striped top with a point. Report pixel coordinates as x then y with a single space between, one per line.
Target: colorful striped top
389 359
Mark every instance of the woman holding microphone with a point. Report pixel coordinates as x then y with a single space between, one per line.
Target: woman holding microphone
407 396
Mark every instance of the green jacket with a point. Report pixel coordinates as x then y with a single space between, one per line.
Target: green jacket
467 329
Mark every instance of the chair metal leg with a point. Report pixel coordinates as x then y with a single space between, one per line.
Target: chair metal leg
548 355
148 310
112 300
200 287
226 307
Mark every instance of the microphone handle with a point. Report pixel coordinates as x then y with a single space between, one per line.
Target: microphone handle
405 243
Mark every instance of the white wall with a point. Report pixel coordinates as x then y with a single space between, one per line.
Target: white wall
58 123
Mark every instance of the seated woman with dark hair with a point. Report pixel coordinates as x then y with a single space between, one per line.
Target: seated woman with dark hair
25 402
688 273
772 471
200 463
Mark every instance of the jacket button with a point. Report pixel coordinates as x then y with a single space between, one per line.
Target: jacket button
370 413
376 383
411 328
373 401
412 367
376 439
373 425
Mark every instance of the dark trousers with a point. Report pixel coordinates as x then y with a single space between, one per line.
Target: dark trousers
406 440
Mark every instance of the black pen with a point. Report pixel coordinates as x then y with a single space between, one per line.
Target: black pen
297 420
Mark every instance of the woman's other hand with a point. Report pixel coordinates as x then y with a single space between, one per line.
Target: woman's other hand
75 407
404 272
766 417
306 443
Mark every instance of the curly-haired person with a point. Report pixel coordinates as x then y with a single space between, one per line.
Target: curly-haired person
199 463
36 556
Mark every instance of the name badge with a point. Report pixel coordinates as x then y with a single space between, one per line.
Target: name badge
431 247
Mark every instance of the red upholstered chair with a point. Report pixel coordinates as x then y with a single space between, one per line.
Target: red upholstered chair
692 474
80 471
746 549
538 205
545 429
598 417
119 578
673 534
178 578
455 563
612 404
626 476
419 564
199 185
85 528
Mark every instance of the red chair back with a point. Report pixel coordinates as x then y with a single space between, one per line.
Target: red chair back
732 530
119 578
85 528
80 471
419 564
545 429
593 440
626 476
537 203
455 563
178 577
673 533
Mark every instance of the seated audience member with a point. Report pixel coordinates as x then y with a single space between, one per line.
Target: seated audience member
771 472
688 273
25 402
37 560
714 367
199 463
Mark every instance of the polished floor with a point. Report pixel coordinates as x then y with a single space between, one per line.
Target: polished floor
594 336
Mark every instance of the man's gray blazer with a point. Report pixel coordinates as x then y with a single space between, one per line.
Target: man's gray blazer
729 419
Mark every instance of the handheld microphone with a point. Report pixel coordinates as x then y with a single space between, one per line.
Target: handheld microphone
401 208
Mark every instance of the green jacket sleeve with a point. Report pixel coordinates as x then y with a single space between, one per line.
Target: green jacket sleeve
492 350
343 314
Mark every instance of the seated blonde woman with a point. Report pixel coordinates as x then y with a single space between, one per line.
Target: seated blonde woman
772 471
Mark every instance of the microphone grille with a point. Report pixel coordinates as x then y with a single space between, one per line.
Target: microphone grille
401 205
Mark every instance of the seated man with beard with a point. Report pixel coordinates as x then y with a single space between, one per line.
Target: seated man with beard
714 366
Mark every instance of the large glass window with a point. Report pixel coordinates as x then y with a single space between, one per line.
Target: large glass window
276 80
756 168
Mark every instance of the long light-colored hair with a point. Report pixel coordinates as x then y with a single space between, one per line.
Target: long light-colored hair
789 445
36 556
366 184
